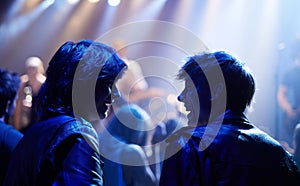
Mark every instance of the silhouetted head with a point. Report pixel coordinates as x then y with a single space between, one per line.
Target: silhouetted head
9 86
215 82
76 72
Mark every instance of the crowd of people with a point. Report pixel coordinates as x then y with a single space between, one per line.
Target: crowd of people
60 141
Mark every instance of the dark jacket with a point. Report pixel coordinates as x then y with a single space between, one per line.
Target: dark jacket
9 138
59 151
232 152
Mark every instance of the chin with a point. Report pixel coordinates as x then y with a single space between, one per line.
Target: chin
102 112
102 115
191 119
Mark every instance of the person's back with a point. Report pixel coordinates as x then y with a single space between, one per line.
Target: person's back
9 136
125 162
288 97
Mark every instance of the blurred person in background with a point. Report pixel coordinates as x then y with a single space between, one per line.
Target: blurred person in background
295 149
296 142
125 160
25 114
288 97
133 87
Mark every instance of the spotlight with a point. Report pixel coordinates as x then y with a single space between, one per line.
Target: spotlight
94 1
113 2
49 2
73 1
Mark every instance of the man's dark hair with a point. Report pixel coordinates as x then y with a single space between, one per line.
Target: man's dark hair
94 59
9 86
239 82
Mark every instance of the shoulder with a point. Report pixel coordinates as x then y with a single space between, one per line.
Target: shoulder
185 133
79 128
5 128
133 155
133 150
61 129
185 141
9 135
68 125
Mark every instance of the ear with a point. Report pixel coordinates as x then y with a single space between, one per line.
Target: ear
217 91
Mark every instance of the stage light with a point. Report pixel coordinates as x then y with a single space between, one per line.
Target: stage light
94 1
50 2
73 1
113 2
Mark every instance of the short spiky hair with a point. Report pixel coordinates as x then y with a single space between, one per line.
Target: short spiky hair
240 84
94 59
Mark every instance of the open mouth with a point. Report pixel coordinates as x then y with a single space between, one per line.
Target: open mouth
192 120
187 108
